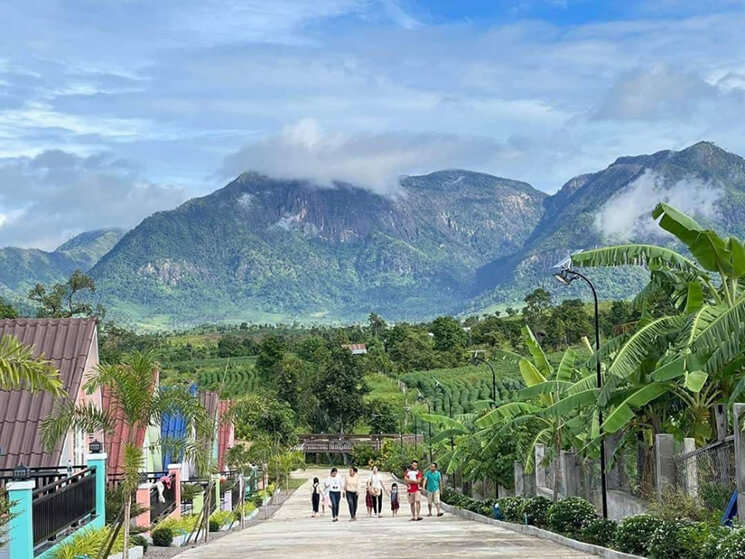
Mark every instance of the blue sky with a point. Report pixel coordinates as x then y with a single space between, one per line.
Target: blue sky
112 110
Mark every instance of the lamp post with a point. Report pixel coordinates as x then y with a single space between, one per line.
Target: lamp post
566 276
420 397
478 359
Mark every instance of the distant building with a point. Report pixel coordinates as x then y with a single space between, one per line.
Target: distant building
71 345
356 349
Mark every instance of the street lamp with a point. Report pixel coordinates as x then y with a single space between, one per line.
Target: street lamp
566 276
450 414
421 397
478 359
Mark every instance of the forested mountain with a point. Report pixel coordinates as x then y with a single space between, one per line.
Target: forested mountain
264 249
21 269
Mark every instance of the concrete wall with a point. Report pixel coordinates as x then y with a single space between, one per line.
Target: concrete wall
621 505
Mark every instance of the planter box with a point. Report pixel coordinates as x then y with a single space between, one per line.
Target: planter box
136 552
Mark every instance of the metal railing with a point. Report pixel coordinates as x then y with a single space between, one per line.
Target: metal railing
61 505
708 473
161 505
41 476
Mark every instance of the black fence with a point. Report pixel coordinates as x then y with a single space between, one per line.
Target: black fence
41 476
162 497
63 504
235 494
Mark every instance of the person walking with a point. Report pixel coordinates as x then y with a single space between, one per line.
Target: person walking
315 496
394 499
351 488
335 485
368 500
413 479
377 487
432 483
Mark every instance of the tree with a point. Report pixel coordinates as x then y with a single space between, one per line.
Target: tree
290 371
271 351
537 307
383 417
255 416
7 310
60 301
449 335
20 370
341 388
376 325
132 385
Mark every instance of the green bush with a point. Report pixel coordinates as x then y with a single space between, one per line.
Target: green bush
666 542
214 525
139 539
712 546
695 538
568 516
599 531
733 545
535 510
162 537
635 532
512 508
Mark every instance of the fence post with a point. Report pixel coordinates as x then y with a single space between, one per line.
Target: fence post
197 503
739 413
175 471
21 525
540 470
242 499
664 454
518 473
97 463
216 496
569 473
689 445
143 500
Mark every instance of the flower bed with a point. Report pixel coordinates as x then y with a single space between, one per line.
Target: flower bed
645 535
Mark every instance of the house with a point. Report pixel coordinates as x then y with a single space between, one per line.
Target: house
71 345
356 349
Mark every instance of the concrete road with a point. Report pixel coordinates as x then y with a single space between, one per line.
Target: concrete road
291 533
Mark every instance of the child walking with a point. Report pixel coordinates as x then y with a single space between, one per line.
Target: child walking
369 502
394 499
315 496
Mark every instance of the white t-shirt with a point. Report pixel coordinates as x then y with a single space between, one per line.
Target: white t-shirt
334 483
376 482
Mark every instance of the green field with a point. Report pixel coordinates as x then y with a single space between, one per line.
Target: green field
237 374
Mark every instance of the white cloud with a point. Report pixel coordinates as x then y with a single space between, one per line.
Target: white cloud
627 214
374 161
48 198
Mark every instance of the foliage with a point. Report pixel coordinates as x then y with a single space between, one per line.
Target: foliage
635 532
60 301
4 515
570 515
248 508
364 455
256 415
7 310
733 546
676 504
513 508
341 388
220 518
19 369
140 540
87 542
536 509
599 531
162 536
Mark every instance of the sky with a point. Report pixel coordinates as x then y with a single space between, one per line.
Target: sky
110 111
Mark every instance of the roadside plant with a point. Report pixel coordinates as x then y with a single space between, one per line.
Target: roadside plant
635 532
599 531
569 516
162 537
535 510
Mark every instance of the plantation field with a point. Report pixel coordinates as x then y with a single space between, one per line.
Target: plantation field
467 385
237 373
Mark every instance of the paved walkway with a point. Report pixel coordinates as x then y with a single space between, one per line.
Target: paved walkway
292 533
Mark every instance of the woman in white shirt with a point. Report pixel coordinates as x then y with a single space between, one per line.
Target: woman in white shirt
334 484
376 487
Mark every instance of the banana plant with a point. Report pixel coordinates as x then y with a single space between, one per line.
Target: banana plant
559 406
697 351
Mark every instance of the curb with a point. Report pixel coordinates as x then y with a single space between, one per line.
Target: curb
539 533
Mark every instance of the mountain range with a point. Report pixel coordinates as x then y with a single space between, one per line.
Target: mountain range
266 249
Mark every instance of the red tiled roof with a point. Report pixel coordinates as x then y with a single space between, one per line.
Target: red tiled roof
66 342
355 348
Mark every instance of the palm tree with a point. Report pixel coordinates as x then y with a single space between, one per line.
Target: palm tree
20 370
137 401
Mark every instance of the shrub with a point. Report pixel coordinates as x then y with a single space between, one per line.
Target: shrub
665 542
733 545
635 532
676 504
189 491
139 539
162 536
599 531
214 525
512 508
696 537
712 546
568 516
535 509
87 541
